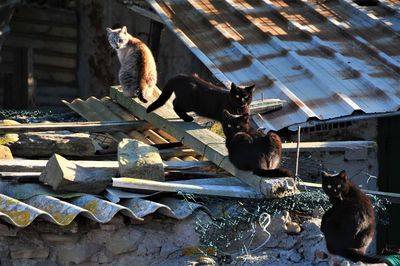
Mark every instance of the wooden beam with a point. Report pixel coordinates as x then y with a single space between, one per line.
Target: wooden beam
98 126
211 190
329 146
146 13
38 165
392 197
204 142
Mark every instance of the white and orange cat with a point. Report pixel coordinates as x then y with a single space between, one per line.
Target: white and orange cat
138 73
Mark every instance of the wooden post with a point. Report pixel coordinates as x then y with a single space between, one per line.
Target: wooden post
204 142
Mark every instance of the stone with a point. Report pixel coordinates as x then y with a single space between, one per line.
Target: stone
6 230
39 144
140 160
293 228
60 238
76 253
124 241
5 153
20 252
8 138
65 175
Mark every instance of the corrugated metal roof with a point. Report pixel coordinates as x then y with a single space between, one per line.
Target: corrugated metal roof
21 204
326 60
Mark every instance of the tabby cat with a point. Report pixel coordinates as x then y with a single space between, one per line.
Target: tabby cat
349 224
138 73
252 150
204 98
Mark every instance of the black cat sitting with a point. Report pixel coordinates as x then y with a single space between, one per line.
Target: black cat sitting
251 150
349 225
204 98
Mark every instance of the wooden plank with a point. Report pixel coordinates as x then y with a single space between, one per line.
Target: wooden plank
177 152
392 197
19 165
103 126
146 13
204 142
330 146
56 61
210 190
47 16
62 46
49 29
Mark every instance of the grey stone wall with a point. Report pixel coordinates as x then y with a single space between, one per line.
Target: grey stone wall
85 242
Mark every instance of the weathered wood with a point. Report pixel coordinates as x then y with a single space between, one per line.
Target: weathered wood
204 142
329 146
20 177
64 175
22 165
177 152
146 13
392 197
211 190
22 90
103 126
46 144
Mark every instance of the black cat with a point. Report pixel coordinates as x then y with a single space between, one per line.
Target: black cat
251 150
349 225
206 99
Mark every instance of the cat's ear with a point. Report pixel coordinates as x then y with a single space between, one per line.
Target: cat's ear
109 30
124 29
343 175
324 174
226 113
233 87
250 88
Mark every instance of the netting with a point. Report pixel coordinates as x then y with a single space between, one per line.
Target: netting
233 227
35 116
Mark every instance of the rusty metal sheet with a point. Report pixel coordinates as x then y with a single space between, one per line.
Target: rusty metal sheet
325 60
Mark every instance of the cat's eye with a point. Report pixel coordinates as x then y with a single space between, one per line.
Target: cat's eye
229 125
339 186
120 40
237 126
237 96
329 186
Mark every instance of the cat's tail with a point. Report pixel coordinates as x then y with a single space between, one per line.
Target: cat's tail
277 172
163 98
355 255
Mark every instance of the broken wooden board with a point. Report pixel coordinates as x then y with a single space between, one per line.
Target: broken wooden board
97 126
204 142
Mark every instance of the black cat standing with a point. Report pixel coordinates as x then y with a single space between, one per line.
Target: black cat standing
204 98
349 225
